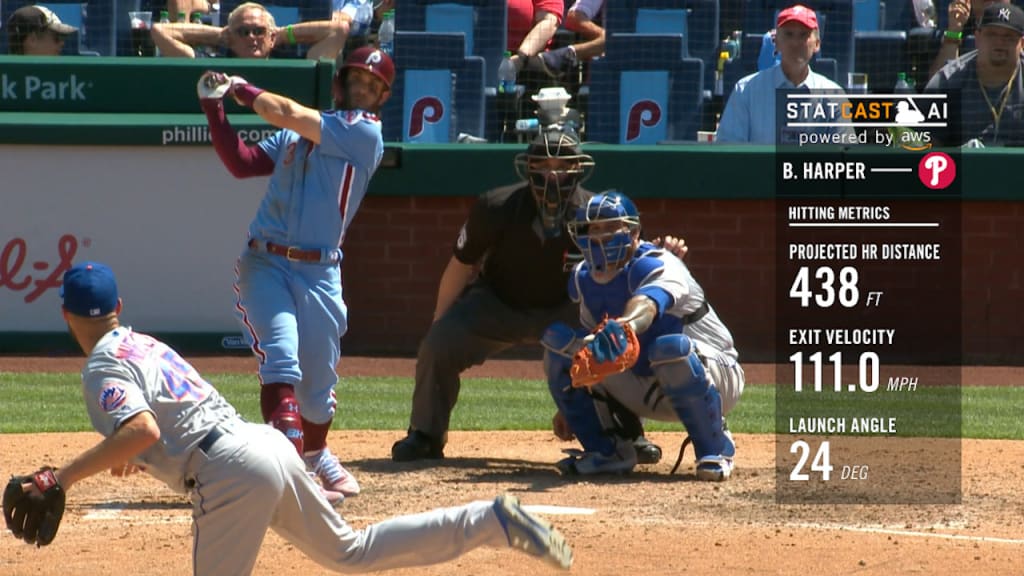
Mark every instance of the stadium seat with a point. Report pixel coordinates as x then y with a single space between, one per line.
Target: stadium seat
434 71
486 37
95 23
868 15
648 100
882 55
699 18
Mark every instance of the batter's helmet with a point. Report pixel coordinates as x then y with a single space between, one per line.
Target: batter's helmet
608 249
366 58
554 185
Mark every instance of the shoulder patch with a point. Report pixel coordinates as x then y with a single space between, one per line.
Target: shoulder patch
112 396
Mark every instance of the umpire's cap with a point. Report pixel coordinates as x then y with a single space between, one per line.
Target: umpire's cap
372 60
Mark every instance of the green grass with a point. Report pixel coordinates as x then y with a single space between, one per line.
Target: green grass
53 403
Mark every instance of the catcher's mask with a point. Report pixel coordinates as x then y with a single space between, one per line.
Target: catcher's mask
366 58
554 166
604 231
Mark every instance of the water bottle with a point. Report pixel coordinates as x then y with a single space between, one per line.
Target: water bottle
734 42
165 18
182 17
507 75
527 125
924 12
904 85
363 18
386 34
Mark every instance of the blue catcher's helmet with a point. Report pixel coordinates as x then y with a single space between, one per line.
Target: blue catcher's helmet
604 230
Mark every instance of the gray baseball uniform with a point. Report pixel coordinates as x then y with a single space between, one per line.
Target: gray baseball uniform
243 478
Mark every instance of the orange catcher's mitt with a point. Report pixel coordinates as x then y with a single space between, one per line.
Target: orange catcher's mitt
610 349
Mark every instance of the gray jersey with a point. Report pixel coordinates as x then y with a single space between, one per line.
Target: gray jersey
128 373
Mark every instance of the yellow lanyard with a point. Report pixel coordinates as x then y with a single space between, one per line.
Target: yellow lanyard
996 115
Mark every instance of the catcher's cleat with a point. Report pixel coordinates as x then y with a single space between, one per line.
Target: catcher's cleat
417 446
531 534
333 476
286 418
646 451
580 463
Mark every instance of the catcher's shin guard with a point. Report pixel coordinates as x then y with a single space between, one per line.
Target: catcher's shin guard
696 402
576 404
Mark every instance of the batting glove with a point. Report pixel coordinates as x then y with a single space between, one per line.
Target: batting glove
213 85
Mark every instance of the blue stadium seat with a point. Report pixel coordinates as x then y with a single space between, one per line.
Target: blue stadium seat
95 23
868 15
701 25
486 38
648 100
882 55
834 16
434 69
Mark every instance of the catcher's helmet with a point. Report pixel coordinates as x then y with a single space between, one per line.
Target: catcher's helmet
366 58
604 230
554 165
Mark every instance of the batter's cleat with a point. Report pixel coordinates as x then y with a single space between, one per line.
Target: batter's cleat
287 419
646 451
333 498
580 463
531 534
417 446
333 476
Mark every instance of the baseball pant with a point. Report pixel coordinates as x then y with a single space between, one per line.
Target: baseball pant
476 327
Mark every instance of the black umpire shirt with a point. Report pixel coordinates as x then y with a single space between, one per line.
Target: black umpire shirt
523 268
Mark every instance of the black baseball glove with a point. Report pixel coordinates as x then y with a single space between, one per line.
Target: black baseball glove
30 515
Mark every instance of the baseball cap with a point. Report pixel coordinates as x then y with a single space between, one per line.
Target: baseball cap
798 13
28 19
89 290
1004 15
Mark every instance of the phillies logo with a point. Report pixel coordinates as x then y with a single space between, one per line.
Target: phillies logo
645 113
427 109
373 58
936 170
12 260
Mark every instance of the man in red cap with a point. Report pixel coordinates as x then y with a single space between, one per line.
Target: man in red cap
749 114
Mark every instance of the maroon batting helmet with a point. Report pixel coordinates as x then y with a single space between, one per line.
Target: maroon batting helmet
368 58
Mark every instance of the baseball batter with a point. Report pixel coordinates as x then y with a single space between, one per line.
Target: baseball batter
157 414
289 296
687 368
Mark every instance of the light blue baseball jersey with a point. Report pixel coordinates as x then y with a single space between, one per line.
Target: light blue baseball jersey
315 191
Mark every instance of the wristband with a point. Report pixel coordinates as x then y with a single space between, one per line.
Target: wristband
246 94
291 34
958 36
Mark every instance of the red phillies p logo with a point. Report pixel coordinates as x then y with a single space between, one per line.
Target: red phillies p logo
643 113
426 109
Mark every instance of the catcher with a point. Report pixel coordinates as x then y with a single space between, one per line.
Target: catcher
655 346
159 415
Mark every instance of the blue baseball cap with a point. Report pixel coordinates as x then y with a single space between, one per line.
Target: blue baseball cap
89 290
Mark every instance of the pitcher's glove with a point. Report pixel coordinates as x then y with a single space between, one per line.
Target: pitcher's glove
610 349
31 515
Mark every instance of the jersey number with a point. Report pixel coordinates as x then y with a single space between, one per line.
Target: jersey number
183 382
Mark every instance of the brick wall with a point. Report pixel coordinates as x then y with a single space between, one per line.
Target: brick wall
398 247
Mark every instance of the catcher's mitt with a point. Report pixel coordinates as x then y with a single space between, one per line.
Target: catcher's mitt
30 515
611 348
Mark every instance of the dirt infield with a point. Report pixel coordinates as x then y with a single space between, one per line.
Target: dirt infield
644 523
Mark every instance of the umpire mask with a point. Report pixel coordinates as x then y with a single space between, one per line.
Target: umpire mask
554 166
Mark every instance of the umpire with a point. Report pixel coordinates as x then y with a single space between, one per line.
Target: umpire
517 238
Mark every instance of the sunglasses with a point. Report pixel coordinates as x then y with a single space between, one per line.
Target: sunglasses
246 31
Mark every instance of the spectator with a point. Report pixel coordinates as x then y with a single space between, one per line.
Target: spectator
988 81
36 31
749 115
580 19
531 26
252 33
963 18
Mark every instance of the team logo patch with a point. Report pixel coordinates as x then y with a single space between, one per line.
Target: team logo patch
112 396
